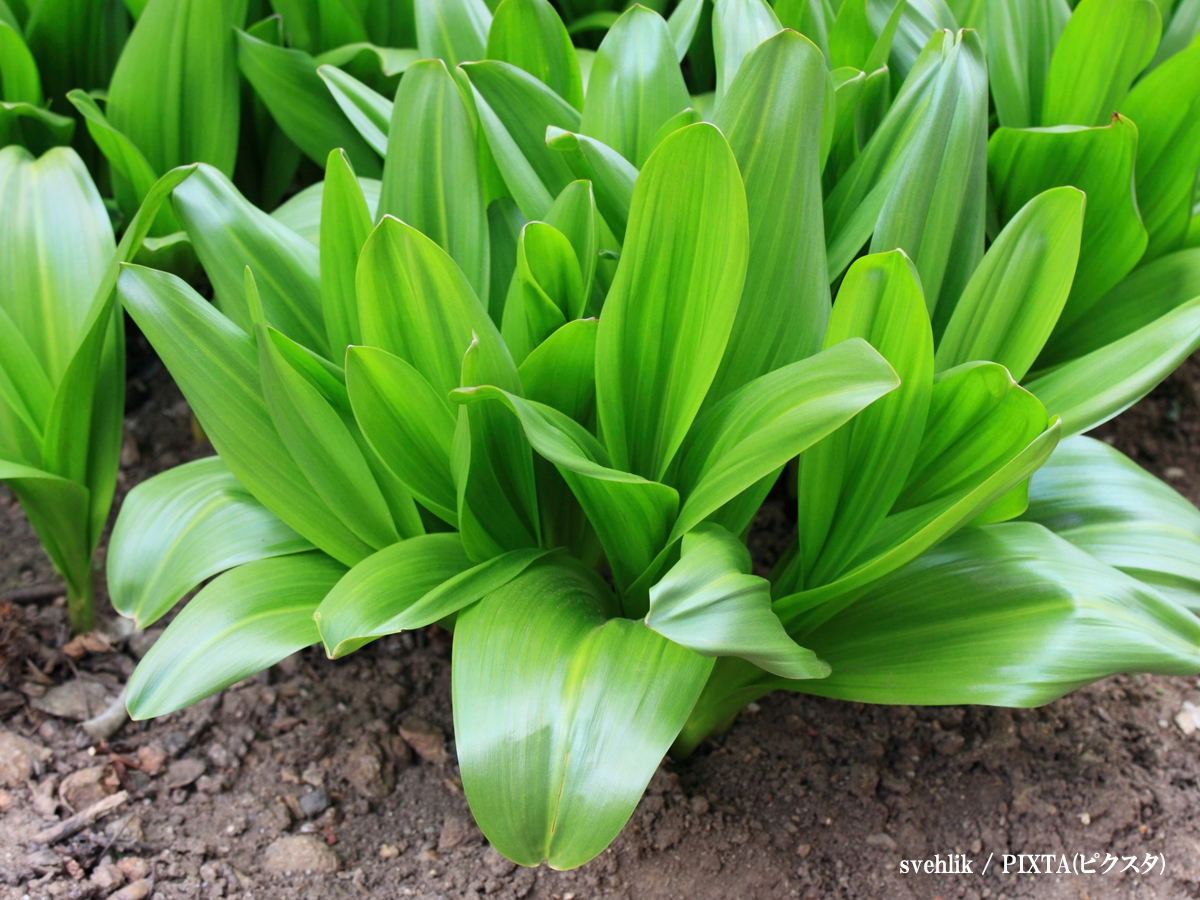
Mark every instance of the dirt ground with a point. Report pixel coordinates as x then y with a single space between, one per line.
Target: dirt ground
299 784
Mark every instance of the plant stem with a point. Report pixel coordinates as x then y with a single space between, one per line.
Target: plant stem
81 606
732 684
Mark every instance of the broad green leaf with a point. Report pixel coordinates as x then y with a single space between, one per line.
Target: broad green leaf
681 119
682 23
1021 38
785 302
1145 294
380 67
920 19
408 423
229 234
848 83
812 18
431 178
341 22
515 110
301 104
504 228
1015 296
573 213
756 429
562 713
182 527
710 603
410 585
635 85
668 314
561 371
548 291
241 623
136 174
370 113
26 393
739 26
302 212
174 91
1104 503
632 516
873 106
1166 107
979 420
18 71
1178 33
25 123
452 30
76 44
612 176
850 480
1007 615
58 511
1103 47
1092 389
215 364
935 209
414 302
530 35
1097 161
345 224
852 42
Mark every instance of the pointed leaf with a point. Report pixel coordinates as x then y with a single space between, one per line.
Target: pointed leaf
452 30
739 26
370 113
301 213
1021 38
612 176
549 289
530 35
561 371
58 511
345 224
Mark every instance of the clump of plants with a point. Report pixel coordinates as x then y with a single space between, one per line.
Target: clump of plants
535 382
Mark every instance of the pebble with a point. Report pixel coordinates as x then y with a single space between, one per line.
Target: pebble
153 759
426 739
77 700
81 789
497 863
700 805
314 803
107 878
138 890
133 867
140 642
881 840
368 770
6 801
803 850
1188 718
457 831
183 772
19 758
388 851
299 853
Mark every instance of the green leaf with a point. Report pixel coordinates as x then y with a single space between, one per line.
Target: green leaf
979 420
848 84
26 393
136 176
785 302
561 371
811 18
635 85
1166 107
935 209
1092 389
1015 296
229 234
1178 33
682 23
26 123
1021 38
452 30
182 527
530 35
739 26
301 104
548 292
850 480
301 213
515 110
1097 161
561 713
1104 503
18 71
1145 294
1103 47
370 113
669 311
58 511
1008 615
408 423
410 585
710 603
76 44
431 178
756 429
920 19
345 224
612 176
174 92
215 364
241 623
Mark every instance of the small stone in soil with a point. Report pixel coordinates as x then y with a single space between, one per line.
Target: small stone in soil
133 867
299 853
77 700
387 851
313 803
803 850
426 739
700 805
18 759
881 840
497 863
183 772
81 789
139 890
6 801
107 878
152 758
456 832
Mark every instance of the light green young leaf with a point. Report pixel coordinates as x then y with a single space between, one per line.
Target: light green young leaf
241 623
548 291
431 177
682 23
612 176
452 30
1015 296
1021 38
562 713
1166 107
850 480
301 213
561 371
18 70
1178 33
181 527
370 113
635 85
710 603
920 19
1097 161
785 302
530 35
1103 47
1104 503
345 224
229 234
739 26
667 317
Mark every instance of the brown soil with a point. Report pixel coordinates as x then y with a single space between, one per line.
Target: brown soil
804 797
